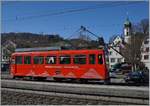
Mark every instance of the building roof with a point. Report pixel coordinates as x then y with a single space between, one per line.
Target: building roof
115 40
127 23
8 43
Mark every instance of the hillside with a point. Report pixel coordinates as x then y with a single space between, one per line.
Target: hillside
25 40
28 40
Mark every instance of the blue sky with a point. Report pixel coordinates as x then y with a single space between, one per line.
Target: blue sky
106 20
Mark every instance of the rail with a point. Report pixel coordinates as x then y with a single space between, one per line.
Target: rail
133 95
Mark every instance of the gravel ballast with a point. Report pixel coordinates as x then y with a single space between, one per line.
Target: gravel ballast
18 98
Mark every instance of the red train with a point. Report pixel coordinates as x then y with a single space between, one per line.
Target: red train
60 64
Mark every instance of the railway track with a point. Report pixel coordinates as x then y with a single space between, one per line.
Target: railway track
120 94
113 81
29 97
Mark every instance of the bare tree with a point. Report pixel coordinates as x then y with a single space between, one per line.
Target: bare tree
132 51
142 27
145 26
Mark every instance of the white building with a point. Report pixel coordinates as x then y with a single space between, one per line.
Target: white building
114 46
113 52
115 57
145 52
6 50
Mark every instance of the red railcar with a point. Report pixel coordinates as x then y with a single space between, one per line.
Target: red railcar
73 64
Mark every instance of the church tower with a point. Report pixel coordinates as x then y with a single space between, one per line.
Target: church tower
127 31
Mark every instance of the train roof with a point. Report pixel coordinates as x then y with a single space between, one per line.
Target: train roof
37 49
61 51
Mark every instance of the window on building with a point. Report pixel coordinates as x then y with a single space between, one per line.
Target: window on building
146 42
27 59
110 52
147 49
38 60
119 60
146 57
127 33
50 60
79 59
92 59
18 60
100 59
65 59
112 60
3 57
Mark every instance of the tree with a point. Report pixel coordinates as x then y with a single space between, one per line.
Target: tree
132 50
101 41
144 24
142 27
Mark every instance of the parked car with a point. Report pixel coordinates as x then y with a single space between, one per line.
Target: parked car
112 74
137 77
4 67
122 68
116 67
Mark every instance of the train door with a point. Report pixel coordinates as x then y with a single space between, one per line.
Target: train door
102 66
95 68
65 66
80 60
38 65
27 65
91 67
19 65
51 65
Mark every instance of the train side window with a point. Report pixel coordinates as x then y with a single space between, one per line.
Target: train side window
27 59
18 60
50 60
66 59
79 59
92 59
38 60
100 59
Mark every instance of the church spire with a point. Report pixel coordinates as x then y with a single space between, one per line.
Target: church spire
127 30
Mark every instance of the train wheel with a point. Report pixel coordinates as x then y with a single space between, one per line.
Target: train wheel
14 77
39 78
28 78
83 80
18 77
72 80
58 79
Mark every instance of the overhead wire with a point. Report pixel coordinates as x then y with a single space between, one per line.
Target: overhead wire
71 11
74 33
